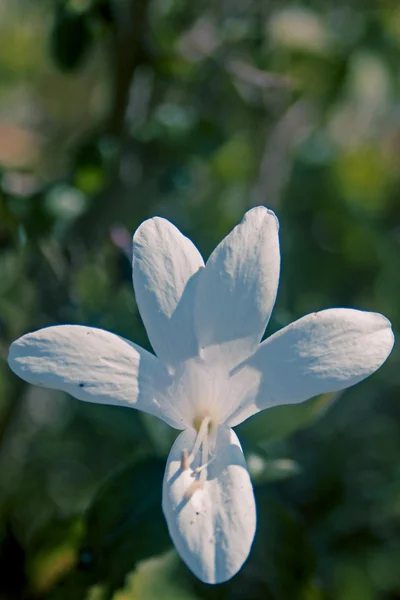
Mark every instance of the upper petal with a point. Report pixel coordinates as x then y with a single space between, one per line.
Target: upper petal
214 528
163 266
237 290
323 352
96 366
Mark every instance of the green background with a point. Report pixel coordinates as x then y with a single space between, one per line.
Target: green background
112 111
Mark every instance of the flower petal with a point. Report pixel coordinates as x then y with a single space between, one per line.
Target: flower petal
212 529
94 365
323 352
163 266
237 290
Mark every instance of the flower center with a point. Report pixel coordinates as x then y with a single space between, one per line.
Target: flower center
204 443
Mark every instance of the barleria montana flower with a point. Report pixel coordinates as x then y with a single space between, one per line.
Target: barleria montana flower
205 323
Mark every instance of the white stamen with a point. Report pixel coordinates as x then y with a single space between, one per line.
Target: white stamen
201 435
204 458
198 470
203 443
192 489
185 460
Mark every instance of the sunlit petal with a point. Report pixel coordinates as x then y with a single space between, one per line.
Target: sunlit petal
96 366
164 269
323 352
212 525
237 290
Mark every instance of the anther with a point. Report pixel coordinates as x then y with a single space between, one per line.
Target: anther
192 489
201 436
185 460
201 442
198 470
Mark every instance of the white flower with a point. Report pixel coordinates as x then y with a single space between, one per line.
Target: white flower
205 324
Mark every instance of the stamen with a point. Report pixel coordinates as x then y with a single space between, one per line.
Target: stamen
185 460
201 435
202 441
204 458
192 489
198 470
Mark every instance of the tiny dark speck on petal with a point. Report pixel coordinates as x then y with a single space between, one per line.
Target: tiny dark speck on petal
197 513
81 385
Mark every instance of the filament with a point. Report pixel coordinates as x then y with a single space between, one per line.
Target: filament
201 435
202 443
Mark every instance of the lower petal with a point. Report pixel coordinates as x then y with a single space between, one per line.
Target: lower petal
211 524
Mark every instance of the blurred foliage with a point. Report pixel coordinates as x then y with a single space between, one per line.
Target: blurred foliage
112 111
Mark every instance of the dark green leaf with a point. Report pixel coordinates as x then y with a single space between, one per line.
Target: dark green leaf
282 550
70 39
280 422
125 523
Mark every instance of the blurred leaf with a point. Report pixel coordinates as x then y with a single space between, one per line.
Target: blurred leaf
70 38
162 435
282 421
11 265
158 578
90 165
53 553
352 583
234 160
301 29
383 566
365 177
312 592
125 523
96 592
90 179
76 585
12 565
369 86
65 203
92 287
282 550
263 470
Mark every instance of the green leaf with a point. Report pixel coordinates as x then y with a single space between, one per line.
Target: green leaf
282 553
12 564
282 421
158 578
234 160
125 523
53 553
96 592
70 39
263 470
161 435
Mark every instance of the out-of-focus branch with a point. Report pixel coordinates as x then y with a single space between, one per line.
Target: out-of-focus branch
129 25
11 411
274 168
